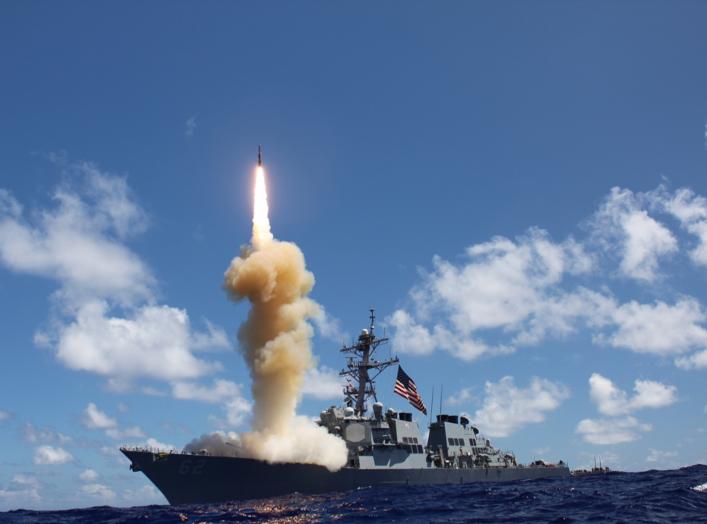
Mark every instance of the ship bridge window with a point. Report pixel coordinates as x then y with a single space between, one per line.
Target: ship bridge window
451 441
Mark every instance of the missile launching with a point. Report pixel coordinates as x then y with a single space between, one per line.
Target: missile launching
260 156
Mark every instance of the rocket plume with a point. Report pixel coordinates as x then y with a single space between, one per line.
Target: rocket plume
275 341
261 220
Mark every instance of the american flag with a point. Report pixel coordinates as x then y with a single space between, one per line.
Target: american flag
405 387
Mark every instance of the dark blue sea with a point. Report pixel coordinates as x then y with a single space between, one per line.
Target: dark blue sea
651 496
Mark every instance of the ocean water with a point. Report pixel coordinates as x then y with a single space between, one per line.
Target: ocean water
676 496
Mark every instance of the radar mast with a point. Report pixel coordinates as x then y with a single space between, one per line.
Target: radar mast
360 364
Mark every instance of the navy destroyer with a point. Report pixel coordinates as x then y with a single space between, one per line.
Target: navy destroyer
385 447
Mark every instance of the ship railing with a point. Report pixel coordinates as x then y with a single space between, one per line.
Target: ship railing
148 449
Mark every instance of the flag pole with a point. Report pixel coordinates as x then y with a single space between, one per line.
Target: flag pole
432 406
441 395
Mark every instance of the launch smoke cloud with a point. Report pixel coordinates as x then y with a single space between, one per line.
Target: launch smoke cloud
276 344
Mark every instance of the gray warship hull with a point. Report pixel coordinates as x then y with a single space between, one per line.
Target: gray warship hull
193 479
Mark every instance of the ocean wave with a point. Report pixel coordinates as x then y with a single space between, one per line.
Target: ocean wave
646 497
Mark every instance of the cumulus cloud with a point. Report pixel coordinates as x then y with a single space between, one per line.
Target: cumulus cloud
506 408
691 210
695 361
611 431
509 293
98 491
51 455
107 321
659 328
328 326
502 284
322 383
153 342
611 400
88 475
152 443
615 402
214 338
78 242
221 391
667 458
642 239
22 489
94 418
464 396
143 496
44 435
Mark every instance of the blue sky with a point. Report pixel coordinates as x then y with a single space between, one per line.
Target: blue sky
519 189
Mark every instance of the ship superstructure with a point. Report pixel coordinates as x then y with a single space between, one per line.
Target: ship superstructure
384 447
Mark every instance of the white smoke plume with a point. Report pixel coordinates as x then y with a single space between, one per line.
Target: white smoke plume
275 341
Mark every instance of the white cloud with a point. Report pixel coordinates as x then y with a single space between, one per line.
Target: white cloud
190 126
323 383
410 337
4 415
659 328
691 210
506 285
80 243
328 326
51 455
127 433
611 431
651 394
612 401
695 361
667 458
222 392
464 396
143 496
214 338
22 490
36 434
153 343
94 418
88 475
507 294
98 491
506 408
152 443
642 239
20 479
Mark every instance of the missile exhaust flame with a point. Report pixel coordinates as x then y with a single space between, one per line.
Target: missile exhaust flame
261 220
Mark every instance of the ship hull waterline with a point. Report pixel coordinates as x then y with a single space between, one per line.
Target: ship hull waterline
197 479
